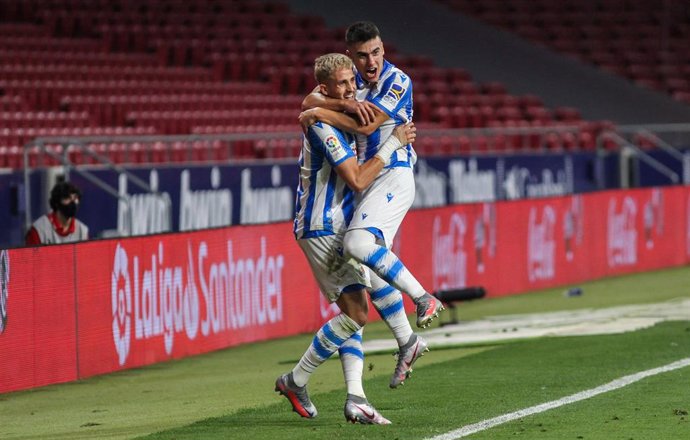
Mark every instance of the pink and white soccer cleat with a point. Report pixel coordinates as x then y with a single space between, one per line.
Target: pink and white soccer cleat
359 410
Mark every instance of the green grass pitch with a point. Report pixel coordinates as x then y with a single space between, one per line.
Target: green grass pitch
229 394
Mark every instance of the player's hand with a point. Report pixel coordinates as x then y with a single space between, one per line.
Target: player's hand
407 133
363 111
307 118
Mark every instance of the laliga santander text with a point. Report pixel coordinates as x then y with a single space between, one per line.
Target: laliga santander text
211 293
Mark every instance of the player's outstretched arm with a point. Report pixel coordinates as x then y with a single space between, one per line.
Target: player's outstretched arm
359 177
364 112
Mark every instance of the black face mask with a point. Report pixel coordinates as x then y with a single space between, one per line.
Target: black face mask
69 210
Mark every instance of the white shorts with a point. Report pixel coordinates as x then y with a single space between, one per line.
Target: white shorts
384 204
332 271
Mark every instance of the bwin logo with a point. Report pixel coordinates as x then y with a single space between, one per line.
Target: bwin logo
4 287
122 304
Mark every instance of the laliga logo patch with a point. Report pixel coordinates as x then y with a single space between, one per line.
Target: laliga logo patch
4 287
122 304
332 143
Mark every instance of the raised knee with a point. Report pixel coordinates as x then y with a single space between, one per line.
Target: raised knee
356 243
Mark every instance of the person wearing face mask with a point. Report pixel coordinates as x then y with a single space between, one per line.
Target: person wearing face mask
60 225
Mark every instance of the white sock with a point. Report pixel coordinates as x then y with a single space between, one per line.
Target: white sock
389 303
326 342
361 245
352 359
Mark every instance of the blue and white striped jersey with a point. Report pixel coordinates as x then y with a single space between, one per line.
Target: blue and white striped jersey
324 203
392 94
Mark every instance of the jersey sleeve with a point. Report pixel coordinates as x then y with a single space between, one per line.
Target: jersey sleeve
331 142
396 92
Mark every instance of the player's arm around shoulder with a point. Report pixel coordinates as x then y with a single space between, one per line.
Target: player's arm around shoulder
360 177
342 120
361 111
394 95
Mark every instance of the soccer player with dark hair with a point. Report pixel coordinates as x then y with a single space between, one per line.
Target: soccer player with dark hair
329 177
385 96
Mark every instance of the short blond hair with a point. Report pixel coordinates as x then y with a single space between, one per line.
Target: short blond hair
327 65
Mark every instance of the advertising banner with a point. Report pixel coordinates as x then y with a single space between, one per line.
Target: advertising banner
73 311
449 181
512 247
188 198
176 295
38 333
148 200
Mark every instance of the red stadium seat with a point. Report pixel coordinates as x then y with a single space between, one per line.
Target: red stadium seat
622 37
178 67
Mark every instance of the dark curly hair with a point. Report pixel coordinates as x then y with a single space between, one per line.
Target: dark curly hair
62 190
361 32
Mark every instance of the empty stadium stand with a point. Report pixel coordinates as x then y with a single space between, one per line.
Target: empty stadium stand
646 42
126 67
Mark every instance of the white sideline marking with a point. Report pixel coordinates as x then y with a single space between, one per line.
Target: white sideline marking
582 395
610 320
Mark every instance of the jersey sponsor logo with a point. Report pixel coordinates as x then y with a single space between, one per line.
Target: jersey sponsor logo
4 287
389 196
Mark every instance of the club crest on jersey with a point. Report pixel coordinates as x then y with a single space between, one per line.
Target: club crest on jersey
396 92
